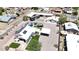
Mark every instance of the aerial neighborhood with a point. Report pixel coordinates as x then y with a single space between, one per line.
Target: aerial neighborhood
39 28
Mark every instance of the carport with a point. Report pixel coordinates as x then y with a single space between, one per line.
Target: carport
45 31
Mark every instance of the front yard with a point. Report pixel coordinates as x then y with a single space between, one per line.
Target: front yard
34 44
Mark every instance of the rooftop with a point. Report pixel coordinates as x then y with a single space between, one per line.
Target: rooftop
72 42
27 32
70 25
32 13
5 18
45 30
55 18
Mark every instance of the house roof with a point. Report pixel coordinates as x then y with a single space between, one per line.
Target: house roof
29 30
32 13
55 18
45 30
72 42
70 25
5 18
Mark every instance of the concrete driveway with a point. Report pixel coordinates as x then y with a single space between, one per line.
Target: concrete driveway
49 42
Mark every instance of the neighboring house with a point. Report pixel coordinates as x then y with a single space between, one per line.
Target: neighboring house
71 42
52 19
6 19
71 27
71 18
67 10
45 32
28 31
34 15
56 10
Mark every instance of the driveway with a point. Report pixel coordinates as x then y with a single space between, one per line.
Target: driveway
49 42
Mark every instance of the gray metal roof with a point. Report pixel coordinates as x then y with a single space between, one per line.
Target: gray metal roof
5 18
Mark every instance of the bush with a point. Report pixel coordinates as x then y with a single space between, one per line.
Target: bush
34 8
17 14
2 9
34 44
0 12
6 48
14 45
75 13
25 18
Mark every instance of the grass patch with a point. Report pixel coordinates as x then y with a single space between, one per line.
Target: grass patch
14 45
34 44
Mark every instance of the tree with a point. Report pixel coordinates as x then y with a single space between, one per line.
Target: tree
75 8
1 10
25 18
34 8
17 14
75 12
62 19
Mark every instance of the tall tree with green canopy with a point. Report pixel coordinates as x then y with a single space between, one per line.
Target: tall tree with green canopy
62 19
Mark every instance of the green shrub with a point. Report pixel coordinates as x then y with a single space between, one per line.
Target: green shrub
75 13
25 18
17 14
14 45
34 8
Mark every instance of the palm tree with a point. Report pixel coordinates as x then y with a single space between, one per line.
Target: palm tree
62 20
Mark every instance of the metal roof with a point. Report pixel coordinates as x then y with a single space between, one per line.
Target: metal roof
45 30
33 13
72 42
70 25
5 18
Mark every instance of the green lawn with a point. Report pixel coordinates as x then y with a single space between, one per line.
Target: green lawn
14 45
34 44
